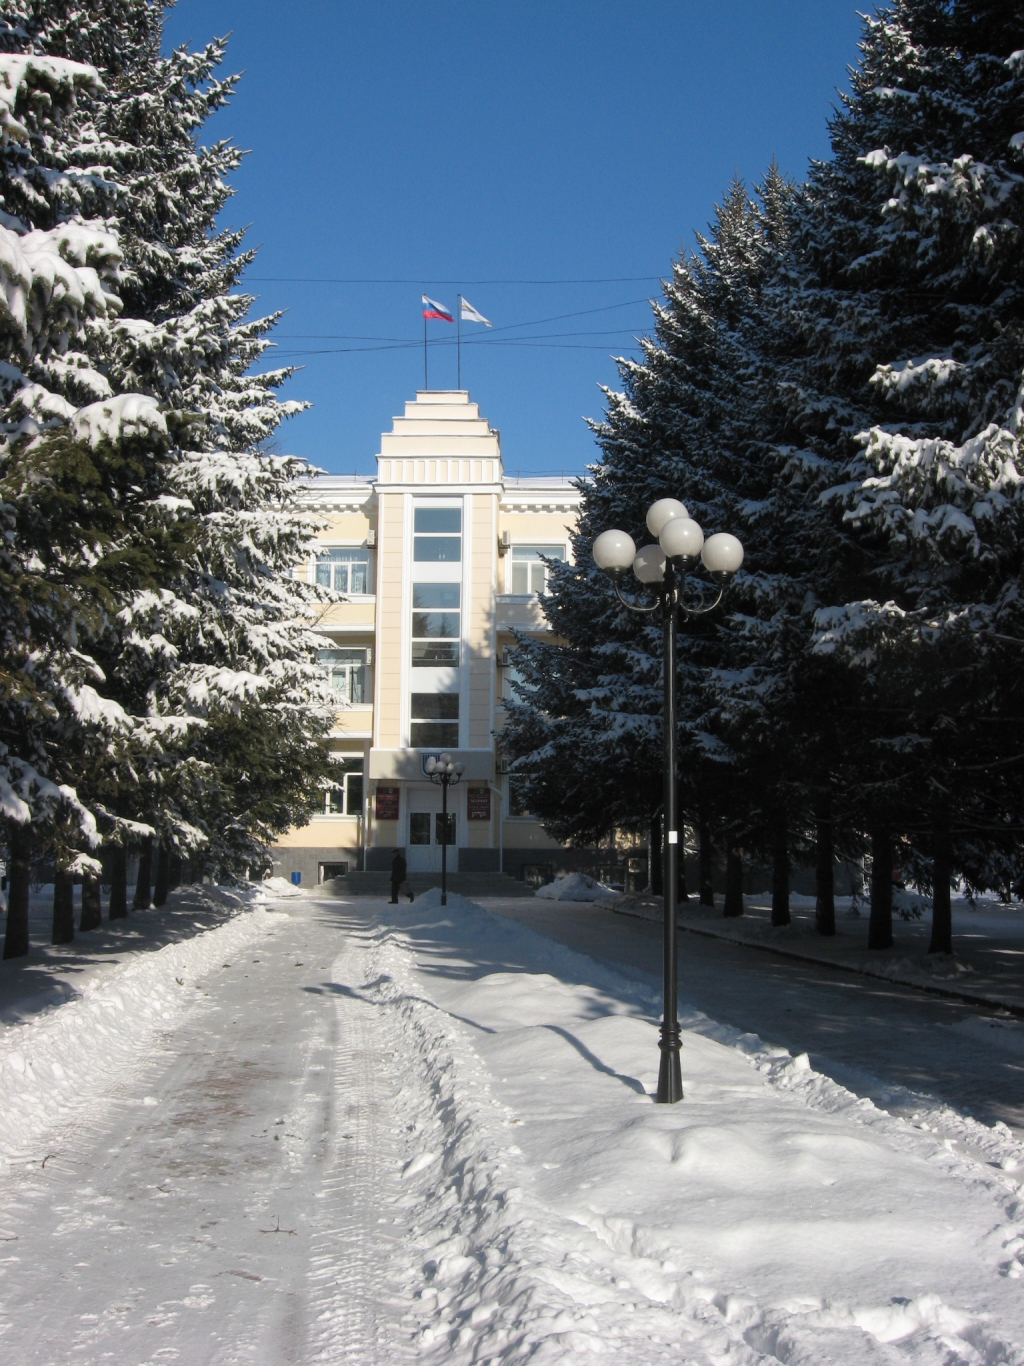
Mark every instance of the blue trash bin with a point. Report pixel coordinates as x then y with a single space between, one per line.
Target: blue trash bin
296 879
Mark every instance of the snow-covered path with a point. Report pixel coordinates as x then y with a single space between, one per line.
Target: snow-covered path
148 1229
389 1134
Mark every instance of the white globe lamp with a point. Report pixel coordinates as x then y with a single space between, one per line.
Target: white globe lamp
722 554
662 512
682 539
614 552
649 564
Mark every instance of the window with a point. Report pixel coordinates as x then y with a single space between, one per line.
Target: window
529 572
439 830
517 794
510 677
345 799
419 827
435 720
437 535
436 623
346 671
345 568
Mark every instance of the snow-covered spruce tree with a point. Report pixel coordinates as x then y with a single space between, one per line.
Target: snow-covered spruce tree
690 423
240 654
911 245
214 641
56 278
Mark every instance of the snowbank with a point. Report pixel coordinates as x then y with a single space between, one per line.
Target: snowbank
555 1212
575 887
75 1053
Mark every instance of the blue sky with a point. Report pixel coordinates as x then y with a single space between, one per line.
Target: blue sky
412 146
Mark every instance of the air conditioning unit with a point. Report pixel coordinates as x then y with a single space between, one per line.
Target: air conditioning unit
371 539
504 543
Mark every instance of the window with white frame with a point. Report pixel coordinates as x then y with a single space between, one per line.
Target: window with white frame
343 567
437 535
510 677
436 624
517 794
529 572
435 720
345 797
346 672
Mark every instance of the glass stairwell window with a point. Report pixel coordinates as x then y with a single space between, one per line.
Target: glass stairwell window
435 720
436 624
346 672
529 572
344 568
437 535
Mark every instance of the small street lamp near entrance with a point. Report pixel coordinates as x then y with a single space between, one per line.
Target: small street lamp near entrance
444 773
661 569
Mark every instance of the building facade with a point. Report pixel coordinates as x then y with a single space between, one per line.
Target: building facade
440 557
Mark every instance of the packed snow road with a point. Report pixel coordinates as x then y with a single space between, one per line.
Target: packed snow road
220 1203
381 1134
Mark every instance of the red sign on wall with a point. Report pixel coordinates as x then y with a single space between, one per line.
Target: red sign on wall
478 803
387 803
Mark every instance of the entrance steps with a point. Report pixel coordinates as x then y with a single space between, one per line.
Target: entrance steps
465 884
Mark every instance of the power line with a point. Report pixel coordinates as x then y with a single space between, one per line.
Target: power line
366 280
402 344
507 327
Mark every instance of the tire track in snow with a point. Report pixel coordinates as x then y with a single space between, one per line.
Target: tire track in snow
352 1304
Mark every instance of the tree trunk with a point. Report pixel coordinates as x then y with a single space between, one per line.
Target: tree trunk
63 931
144 881
657 858
19 874
880 923
163 879
174 871
118 908
942 911
707 874
780 868
824 873
92 916
734 882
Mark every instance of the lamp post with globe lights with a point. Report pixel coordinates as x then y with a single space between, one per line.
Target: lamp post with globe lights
444 773
662 569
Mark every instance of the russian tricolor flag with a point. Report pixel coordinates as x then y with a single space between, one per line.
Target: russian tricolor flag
432 309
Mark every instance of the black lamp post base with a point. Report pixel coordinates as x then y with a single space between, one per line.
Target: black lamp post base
670 1077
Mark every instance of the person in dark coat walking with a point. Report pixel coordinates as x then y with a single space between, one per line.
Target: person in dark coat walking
399 882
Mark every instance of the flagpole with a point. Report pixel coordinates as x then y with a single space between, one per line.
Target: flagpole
425 384
458 340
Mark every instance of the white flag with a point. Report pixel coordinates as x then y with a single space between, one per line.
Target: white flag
469 313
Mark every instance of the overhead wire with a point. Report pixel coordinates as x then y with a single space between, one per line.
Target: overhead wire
474 341
507 327
421 282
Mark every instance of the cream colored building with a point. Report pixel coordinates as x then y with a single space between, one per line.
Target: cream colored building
440 558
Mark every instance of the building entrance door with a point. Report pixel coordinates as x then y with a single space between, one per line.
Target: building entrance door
423 847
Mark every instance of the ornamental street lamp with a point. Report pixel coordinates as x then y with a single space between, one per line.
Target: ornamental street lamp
444 773
662 569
